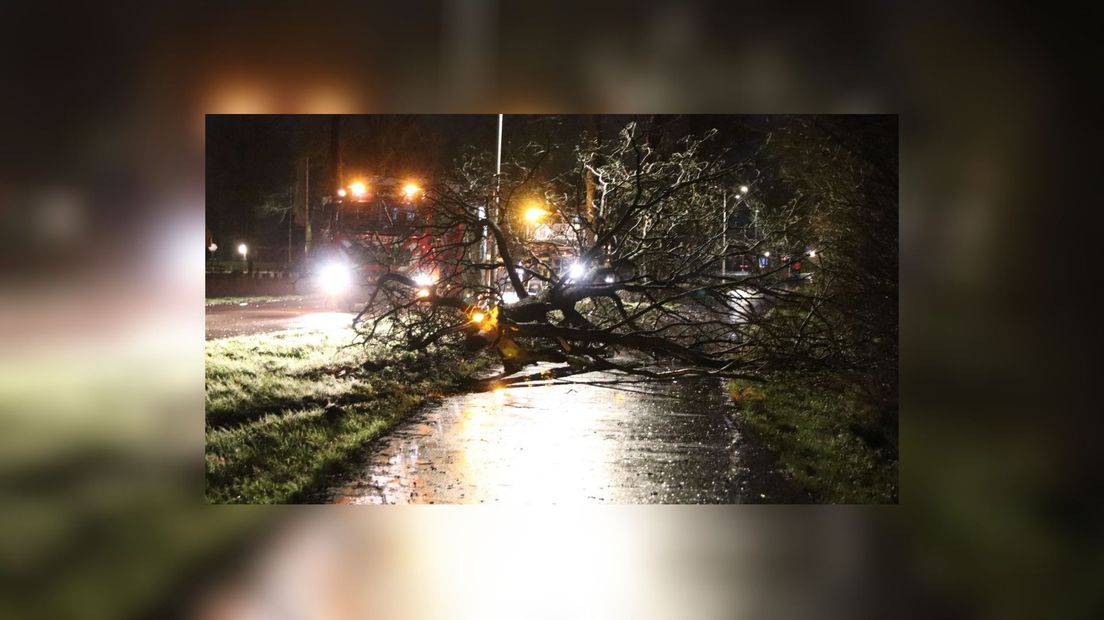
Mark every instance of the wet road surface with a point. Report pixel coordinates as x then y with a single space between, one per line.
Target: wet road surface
259 317
670 443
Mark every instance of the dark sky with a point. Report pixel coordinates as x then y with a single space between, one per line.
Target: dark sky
249 159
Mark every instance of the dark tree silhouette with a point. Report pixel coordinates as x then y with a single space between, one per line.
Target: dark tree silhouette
658 253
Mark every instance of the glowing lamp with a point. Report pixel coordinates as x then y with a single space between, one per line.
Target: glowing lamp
535 214
334 278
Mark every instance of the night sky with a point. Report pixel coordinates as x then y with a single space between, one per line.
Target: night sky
251 159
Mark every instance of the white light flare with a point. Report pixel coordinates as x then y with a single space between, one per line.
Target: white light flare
334 278
576 270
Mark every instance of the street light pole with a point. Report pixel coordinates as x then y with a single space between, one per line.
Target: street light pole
306 210
493 214
724 232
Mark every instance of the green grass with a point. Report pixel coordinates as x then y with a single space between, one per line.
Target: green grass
251 299
270 438
827 441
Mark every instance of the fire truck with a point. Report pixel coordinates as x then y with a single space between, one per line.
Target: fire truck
369 227
383 225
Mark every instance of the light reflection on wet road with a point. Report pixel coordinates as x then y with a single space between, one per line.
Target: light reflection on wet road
257 317
560 444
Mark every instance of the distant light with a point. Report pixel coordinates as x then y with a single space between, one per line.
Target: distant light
509 297
242 249
743 189
577 270
609 279
534 214
358 188
334 278
212 247
422 293
812 253
422 279
767 254
341 192
477 317
410 190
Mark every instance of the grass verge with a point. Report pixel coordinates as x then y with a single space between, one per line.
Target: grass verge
251 299
287 411
828 441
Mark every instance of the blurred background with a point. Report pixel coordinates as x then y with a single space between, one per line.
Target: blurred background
101 314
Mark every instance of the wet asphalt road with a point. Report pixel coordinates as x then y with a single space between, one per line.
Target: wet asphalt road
259 317
664 443
672 443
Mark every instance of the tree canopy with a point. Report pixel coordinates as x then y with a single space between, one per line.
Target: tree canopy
660 252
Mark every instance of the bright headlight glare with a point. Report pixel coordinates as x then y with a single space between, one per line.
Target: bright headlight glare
334 278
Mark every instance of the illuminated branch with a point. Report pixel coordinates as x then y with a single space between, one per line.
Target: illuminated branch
675 266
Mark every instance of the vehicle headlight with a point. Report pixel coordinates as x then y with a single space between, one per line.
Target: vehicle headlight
334 278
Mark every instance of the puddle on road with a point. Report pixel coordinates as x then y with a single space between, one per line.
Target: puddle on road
671 443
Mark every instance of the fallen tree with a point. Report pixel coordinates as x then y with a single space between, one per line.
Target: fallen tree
654 253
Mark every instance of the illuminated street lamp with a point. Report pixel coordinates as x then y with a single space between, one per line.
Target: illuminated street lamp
341 193
534 214
358 188
411 191
743 189
243 250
